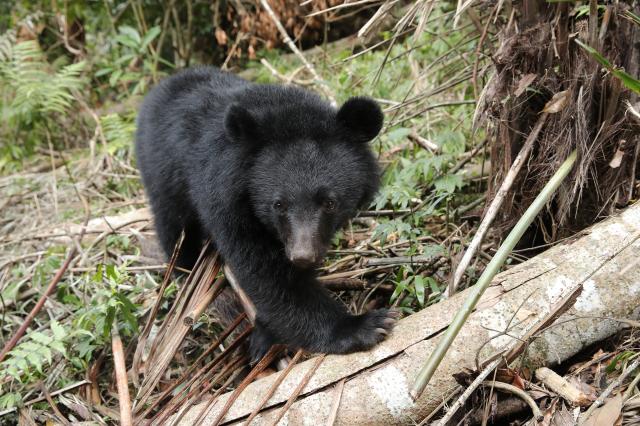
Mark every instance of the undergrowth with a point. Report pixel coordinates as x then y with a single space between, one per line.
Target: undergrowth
85 110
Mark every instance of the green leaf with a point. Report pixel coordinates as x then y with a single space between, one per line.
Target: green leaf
418 283
433 285
127 309
40 338
150 36
35 360
448 183
400 287
630 82
398 134
59 346
59 333
108 322
130 33
46 353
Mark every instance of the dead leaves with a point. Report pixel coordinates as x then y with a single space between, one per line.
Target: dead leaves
608 414
524 83
557 102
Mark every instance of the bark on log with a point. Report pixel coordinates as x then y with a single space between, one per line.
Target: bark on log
603 261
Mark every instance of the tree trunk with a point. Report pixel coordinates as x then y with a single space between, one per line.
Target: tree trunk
603 264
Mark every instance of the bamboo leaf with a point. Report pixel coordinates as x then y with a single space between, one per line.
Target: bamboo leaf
629 81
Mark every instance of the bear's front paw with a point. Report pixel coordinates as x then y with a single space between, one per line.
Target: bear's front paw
367 330
260 342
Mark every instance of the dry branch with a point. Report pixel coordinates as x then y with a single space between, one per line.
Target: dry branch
121 378
377 389
194 292
562 387
285 36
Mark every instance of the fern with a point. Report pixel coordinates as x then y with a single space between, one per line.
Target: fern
37 89
34 352
7 40
118 131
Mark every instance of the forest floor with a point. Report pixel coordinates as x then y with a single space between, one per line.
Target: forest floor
83 210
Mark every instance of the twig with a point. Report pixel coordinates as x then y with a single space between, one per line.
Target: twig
193 366
264 363
376 213
36 309
354 284
246 303
274 386
201 377
490 271
629 392
424 143
121 377
202 304
341 6
296 51
537 415
562 387
299 389
495 205
400 260
462 399
233 368
236 370
142 340
615 384
336 403
52 403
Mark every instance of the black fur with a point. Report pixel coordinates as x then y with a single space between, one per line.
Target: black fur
269 173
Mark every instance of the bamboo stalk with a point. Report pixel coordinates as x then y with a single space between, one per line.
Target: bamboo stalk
491 270
496 203
124 400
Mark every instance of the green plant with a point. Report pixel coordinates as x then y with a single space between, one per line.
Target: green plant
628 80
35 351
130 64
35 97
118 132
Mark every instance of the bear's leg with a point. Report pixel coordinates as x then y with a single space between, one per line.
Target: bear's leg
169 226
306 316
260 342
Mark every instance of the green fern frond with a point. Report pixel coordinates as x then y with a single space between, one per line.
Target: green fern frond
36 87
118 131
7 40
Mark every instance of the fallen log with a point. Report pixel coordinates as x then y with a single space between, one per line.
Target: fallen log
601 263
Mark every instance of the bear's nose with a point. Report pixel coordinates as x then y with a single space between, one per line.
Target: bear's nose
303 258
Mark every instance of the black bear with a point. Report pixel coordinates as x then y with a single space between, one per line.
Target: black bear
269 173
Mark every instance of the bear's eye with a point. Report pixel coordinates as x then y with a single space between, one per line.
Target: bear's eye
329 205
278 205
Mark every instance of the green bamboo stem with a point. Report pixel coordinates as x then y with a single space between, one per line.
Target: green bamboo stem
427 371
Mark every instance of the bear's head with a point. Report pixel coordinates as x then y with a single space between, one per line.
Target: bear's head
312 168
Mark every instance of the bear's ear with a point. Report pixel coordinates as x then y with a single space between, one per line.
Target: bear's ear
240 125
361 118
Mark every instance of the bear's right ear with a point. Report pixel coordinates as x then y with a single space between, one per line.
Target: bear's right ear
361 118
240 125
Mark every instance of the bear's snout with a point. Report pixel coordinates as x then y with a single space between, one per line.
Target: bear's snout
301 247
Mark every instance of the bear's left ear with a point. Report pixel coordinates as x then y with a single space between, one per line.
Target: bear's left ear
240 125
361 118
